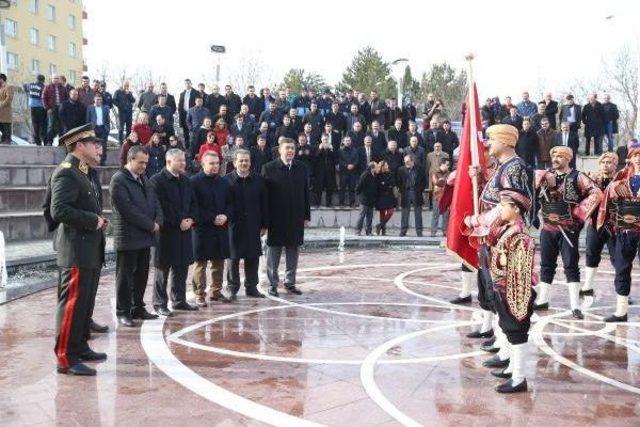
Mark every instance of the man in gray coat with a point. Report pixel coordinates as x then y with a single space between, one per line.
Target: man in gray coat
136 219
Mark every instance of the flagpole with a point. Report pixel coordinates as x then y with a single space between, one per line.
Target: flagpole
473 131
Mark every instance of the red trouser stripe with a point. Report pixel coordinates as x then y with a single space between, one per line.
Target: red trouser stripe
65 327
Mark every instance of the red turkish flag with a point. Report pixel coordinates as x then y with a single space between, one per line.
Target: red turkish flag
471 153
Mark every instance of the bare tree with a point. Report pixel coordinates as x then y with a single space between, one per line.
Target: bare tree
250 70
622 78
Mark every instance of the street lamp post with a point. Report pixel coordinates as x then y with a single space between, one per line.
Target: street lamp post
218 50
399 71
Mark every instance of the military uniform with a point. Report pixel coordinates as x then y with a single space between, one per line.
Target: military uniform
76 206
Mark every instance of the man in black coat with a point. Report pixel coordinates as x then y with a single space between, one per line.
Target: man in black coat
336 118
594 120
450 139
393 157
513 118
398 134
550 110
567 138
247 224
378 139
431 136
348 171
136 218
210 233
174 253
260 154
289 209
367 190
611 116
367 154
186 101
73 113
232 101
214 100
412 182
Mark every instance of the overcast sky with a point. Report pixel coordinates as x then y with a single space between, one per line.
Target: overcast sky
538 46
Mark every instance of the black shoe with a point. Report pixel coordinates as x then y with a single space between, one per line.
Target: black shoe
508 387
403 233
254 293
368 233
478 334
273 292
378 229
541 307
500 373
577 314
488 345
587 293
125 321
92 356
419 234
615 319
163 311
233 298
184 306
218 296
495 362
77 369
358 232
293 290
99 329
462 300
144 315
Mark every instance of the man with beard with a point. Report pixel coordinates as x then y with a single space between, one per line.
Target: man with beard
620 210
567 199
510 173
597 238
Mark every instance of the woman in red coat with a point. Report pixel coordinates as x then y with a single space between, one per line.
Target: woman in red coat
210 145
142 128
221 133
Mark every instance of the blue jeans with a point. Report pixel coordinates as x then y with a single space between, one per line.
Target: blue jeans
611 138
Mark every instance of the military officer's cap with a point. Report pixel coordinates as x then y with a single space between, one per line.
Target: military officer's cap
84 133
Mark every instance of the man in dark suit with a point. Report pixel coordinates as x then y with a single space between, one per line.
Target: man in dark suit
136 219
174 252
232 101
367 154
433 135
186 100
450 139
98 117
513 118
550 110
378 139
289 209
73 113
572 114
412 182
567 138
397 133
593 118
76 211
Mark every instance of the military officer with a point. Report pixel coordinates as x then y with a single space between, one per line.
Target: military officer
76 208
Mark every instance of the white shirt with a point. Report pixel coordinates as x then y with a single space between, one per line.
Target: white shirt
99 116
187 96
571 117
565 139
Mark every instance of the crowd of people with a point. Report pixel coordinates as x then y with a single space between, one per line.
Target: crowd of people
339 136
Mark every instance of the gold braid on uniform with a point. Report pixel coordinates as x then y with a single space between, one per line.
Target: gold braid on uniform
519 275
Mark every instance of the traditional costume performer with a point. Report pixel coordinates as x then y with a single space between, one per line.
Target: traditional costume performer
620 210
597 239
512 277
511 173
567 198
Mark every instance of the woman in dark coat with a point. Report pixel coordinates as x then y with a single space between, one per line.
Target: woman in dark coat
386 201
324 172
156 156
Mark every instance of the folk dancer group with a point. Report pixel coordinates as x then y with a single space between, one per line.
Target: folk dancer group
607 204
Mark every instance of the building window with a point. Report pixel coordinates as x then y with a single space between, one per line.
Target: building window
72 49
51 42
35 6
51 13
12 61
72 77
71 22
35 66
53 69
34 35
10 28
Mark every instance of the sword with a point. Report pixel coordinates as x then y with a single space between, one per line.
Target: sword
543 191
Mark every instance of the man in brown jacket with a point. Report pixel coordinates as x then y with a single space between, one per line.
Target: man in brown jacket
546 141
6 113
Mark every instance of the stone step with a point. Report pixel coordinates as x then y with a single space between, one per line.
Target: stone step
19 226
30 225
12 175
34 154
25 199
